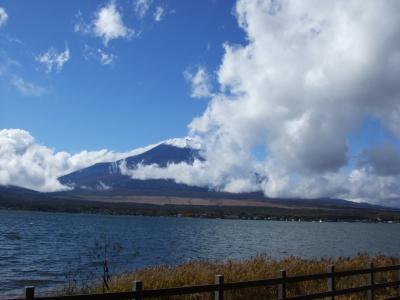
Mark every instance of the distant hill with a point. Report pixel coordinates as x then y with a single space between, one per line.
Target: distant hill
281 209
14 192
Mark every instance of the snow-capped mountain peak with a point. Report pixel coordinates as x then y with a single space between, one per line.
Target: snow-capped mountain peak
185 142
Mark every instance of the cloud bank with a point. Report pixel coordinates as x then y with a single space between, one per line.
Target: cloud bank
26 163
309 74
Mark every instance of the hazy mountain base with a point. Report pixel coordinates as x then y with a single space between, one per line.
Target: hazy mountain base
240 206
259 267
274 212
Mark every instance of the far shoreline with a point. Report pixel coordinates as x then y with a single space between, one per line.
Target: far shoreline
192 213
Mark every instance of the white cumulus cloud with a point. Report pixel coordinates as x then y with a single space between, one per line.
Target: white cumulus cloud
308 75
80 25
54 60
105 58
141 7
3 17
200 82
107 24
159 14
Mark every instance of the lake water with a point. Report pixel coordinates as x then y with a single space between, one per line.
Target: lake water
41 248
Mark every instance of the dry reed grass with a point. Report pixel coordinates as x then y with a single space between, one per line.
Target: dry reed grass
259 267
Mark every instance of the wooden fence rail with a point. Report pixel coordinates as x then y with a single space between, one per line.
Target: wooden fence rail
138 293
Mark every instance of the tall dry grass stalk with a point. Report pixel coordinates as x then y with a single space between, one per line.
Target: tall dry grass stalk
259 267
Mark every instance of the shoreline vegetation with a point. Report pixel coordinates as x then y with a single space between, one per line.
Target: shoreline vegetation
259 267
305 214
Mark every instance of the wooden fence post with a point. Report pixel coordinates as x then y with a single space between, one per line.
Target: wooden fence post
29 292
137 287
371 281
282 286
219 295
398 278
331 281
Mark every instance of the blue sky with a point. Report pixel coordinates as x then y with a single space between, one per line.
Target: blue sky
141 98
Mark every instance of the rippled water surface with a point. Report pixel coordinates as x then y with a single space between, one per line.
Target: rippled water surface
41 248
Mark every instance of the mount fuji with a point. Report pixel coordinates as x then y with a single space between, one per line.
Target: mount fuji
106 185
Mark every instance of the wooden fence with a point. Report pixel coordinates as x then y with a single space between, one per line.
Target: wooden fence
280 283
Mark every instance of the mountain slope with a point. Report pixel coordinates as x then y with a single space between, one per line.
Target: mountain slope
17 196
107 177
105 182
11 191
